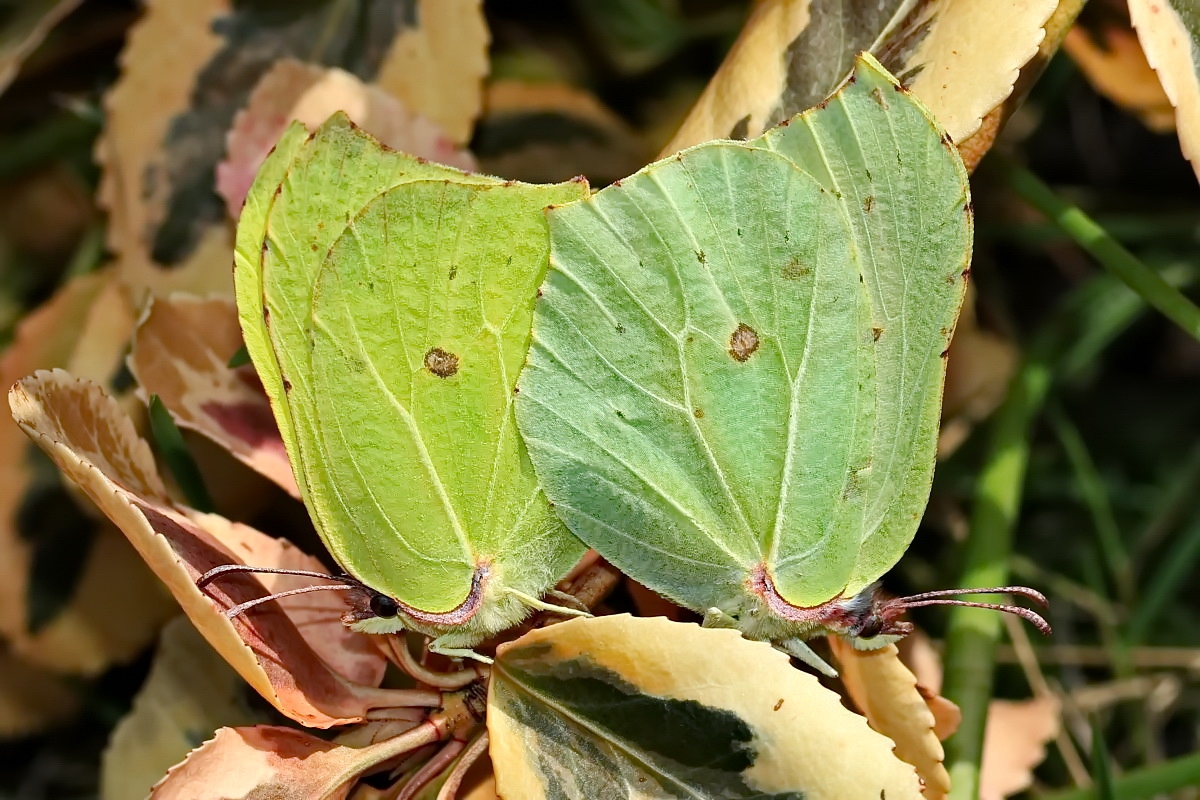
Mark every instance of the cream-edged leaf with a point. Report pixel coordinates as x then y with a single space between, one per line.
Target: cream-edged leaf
1170 34
961 57
623 706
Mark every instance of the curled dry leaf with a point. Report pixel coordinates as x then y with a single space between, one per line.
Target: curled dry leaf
918 654
181 352
95 444
622 706
189 694
888 694
548 132
1107 51
1014 743
961 58
311 94
31 699
266 761
1170 38
74 596
163 139
1017 731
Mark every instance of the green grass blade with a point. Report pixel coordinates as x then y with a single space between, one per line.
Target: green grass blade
1148 283
1144 783
178 458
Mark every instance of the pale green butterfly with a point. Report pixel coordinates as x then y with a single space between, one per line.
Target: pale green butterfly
386 303
735 381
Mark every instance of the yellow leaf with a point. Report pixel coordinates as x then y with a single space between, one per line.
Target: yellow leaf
886 692
1170 44
623 706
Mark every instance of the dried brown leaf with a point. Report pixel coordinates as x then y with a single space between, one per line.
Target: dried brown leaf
267 762
95 444
311 94
181 353
114 606
189 693
1014 743
888 695
978 371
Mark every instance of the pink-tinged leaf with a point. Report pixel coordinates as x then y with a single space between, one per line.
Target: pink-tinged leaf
268 762
94 443
181 353
311 94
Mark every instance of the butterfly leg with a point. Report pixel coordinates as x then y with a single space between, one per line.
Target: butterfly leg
436 646
797 648
541 605
716 618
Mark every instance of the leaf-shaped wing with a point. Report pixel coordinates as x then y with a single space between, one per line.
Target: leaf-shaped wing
386 303
623 706
420 324
700 386
905 192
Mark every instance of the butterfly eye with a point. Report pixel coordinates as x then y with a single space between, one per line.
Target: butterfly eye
384 606
872 629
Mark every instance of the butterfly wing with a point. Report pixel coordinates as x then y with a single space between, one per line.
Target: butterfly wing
906 194
700 372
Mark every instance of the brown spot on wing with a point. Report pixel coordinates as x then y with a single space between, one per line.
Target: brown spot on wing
441 363
743 342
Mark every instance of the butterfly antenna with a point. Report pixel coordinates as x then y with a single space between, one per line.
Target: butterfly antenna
239 569
1024 591
241 608
1023 613
943 598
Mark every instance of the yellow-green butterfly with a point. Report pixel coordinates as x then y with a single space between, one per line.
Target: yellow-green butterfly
386 303
735 380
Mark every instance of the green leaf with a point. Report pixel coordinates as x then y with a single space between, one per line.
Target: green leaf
387 303
622 706
734 388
